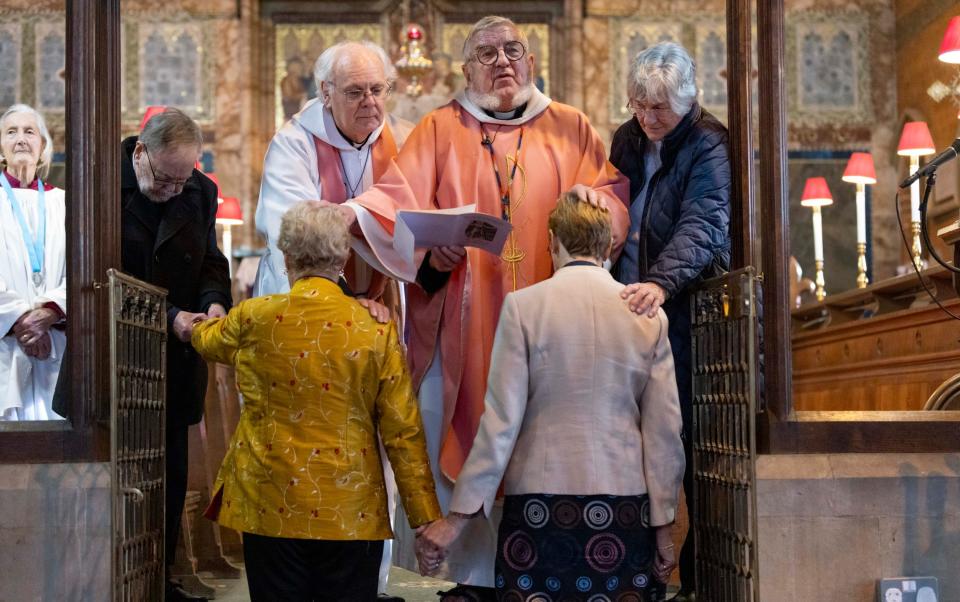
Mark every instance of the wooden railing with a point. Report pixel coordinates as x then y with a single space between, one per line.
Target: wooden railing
884 347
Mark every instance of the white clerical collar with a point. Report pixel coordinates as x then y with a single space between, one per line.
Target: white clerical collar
318 120
537 104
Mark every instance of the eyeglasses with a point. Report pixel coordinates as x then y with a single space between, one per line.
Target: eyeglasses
640 111
355 94
488 55
164 181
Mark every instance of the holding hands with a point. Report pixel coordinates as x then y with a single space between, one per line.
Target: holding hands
434 539
184 322
665 560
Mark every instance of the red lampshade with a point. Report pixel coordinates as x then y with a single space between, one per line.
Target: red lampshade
229 213
915 140
950 46
860 169
816 193
151 111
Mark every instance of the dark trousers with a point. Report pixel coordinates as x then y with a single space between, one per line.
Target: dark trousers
176 458
307 570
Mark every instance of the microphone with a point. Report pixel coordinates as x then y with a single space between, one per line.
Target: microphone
948 154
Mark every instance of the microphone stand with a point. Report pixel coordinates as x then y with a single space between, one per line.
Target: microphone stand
931 182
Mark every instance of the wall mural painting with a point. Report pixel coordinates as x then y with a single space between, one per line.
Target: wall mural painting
50 79
827 70
173 55
297 49
178 57
10 36
711 58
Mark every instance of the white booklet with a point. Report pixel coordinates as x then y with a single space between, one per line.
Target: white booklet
461 226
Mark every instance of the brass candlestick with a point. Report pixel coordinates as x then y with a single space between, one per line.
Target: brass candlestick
862 280
916 251
821 292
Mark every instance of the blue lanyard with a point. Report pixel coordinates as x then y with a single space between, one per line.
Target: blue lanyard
34 245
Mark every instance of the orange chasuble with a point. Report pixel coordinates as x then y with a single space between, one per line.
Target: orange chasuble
382 153
443 164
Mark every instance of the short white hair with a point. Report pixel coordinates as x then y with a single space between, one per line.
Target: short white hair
314 238
664 72
46 153
330 58
490 22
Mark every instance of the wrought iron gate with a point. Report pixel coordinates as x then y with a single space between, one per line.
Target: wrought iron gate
726 347
137 402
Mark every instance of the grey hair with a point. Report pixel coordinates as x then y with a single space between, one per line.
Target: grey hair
170 129
314 239
46 153
331 57
661 72
490 22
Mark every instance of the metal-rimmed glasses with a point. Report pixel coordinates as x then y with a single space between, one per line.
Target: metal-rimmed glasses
640 111
356 94
164 181
514 50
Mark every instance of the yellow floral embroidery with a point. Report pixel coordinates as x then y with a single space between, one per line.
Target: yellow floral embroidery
320 380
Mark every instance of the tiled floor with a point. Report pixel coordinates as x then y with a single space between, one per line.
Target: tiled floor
410 586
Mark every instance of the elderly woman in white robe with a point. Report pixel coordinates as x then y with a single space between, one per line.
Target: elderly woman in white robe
33 283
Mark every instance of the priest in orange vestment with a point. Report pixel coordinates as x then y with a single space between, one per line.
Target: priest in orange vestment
511 150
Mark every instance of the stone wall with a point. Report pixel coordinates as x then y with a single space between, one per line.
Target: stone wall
55 532
830 526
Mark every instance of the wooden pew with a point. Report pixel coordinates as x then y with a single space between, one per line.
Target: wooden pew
884 347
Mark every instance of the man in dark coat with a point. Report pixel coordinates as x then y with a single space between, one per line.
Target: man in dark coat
675 155
169 239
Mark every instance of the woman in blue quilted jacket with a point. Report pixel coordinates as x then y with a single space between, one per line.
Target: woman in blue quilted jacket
675 154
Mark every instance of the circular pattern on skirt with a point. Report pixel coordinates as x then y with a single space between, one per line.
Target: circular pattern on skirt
604 552
519 551
627 514
524 582
598 515
584 584
539 597
566 514
629 597
553 584
645 513
598 598
536 513
511 596
562 550
613 583
640 580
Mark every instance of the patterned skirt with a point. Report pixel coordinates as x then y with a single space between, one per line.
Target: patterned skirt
597 548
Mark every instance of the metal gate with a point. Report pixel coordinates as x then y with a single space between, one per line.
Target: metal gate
137 401
726 347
